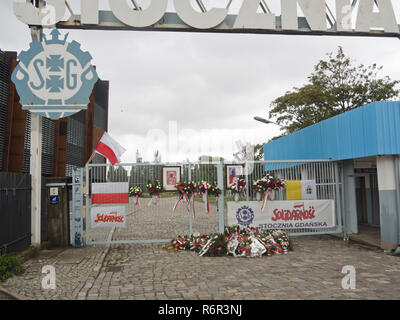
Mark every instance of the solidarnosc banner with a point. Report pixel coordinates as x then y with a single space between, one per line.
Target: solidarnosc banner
283 214
108 217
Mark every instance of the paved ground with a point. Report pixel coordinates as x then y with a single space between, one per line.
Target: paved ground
5 296
74 269
368 235
148 221
311 271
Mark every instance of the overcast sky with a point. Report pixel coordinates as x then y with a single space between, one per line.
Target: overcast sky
205 87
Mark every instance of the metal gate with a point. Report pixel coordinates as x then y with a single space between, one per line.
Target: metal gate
150 222
326 173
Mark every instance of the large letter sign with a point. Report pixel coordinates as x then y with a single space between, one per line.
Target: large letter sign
314 11
54 78
142 18
199 20
249 17
368 19
52 13
373 17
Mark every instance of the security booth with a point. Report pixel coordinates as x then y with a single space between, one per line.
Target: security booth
366 143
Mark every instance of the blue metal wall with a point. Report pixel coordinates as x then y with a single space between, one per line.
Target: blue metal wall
371 130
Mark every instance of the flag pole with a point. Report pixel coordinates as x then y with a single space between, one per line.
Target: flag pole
91 157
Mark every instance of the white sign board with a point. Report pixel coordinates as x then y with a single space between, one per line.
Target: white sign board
108 217
283 214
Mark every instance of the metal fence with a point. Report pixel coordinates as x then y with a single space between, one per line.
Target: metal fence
154 221
327 175
15 210
157 221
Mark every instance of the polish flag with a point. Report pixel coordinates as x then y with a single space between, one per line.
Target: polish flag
110 192
110 149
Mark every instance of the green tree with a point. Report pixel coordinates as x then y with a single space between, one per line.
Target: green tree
337 85
259 152
211 159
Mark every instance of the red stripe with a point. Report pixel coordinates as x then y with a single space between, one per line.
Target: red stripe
110 198
106 151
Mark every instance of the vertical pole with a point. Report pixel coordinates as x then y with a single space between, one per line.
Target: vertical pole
338 201
190 206
246 172
36 162
221 204
36 174
349 195
387 201
87 204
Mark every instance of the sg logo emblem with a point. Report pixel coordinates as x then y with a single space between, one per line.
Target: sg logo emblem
54 78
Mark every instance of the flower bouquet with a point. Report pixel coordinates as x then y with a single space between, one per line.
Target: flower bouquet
154 189
267 185
237 188
249 242
136 192
186 190
215 191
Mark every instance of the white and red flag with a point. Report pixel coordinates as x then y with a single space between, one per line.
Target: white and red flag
110 149
110 192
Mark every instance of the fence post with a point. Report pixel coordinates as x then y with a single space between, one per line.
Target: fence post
190 204
246 173
87 204
77 208
341 197
221 204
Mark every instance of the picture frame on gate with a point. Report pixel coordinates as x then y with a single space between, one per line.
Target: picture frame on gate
233 172
170 177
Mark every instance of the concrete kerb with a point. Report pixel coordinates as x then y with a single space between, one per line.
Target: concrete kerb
82 295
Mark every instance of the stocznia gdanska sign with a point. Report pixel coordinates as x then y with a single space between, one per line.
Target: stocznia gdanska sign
317 17
313 214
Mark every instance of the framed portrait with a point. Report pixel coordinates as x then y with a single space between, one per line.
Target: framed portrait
171 176
233 173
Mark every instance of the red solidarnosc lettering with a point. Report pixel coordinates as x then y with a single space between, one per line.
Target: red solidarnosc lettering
295 214
108 218
99 218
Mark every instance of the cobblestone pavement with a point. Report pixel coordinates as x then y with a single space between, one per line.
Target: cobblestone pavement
311 271
74 269
4 296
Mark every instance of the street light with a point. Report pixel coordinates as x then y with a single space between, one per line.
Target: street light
266 121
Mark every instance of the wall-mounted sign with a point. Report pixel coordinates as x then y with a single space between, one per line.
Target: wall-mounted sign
54 199
373 17
54 78
54 191
312 214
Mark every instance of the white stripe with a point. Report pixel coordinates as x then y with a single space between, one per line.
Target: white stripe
113 145
110 187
